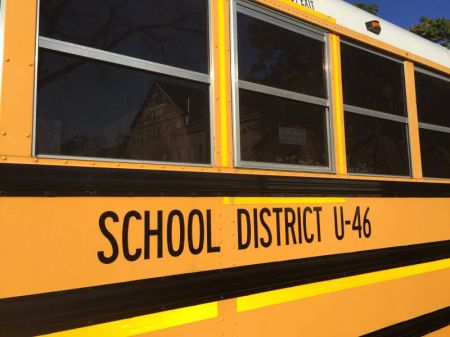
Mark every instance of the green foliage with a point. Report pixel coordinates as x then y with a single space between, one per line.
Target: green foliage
371 8
436 30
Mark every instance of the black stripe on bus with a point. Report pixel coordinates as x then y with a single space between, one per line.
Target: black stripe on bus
416 327
51 312
42 180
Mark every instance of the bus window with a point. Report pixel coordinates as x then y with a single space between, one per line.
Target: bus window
433 108
281 96
124 80
375 112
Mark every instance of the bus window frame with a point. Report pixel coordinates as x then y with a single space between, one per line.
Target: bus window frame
429 126
379 114
112 58
297 26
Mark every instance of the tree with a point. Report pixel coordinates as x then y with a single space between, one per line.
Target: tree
436 30
371 8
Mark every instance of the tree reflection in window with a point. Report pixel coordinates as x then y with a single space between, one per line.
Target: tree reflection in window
171 32
280 58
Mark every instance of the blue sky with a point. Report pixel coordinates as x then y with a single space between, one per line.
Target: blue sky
405 13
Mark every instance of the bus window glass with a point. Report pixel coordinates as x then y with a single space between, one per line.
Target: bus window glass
433 109
375 113
97 102
376 145
435 150
281 93
277 130
433 99
277 57
102 110
171 32
371 81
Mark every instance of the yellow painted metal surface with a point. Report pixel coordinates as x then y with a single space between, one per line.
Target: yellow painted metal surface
56 242
298 10
261 300
16 104
387 298
180 168
265 201
337 105
145 324
413 122
352 312
222 82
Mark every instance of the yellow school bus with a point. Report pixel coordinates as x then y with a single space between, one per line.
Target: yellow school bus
221 168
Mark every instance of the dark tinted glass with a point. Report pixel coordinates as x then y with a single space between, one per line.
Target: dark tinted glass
278 57
94 109
277 130
435 150
433 99
372 82
172 32
376 146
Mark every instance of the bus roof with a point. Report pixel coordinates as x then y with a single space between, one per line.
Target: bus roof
353 18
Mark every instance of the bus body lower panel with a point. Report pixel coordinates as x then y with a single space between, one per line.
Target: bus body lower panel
73 262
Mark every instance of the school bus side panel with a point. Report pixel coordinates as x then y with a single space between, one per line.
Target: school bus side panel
109 240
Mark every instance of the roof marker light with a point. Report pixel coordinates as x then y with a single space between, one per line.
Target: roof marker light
373 26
